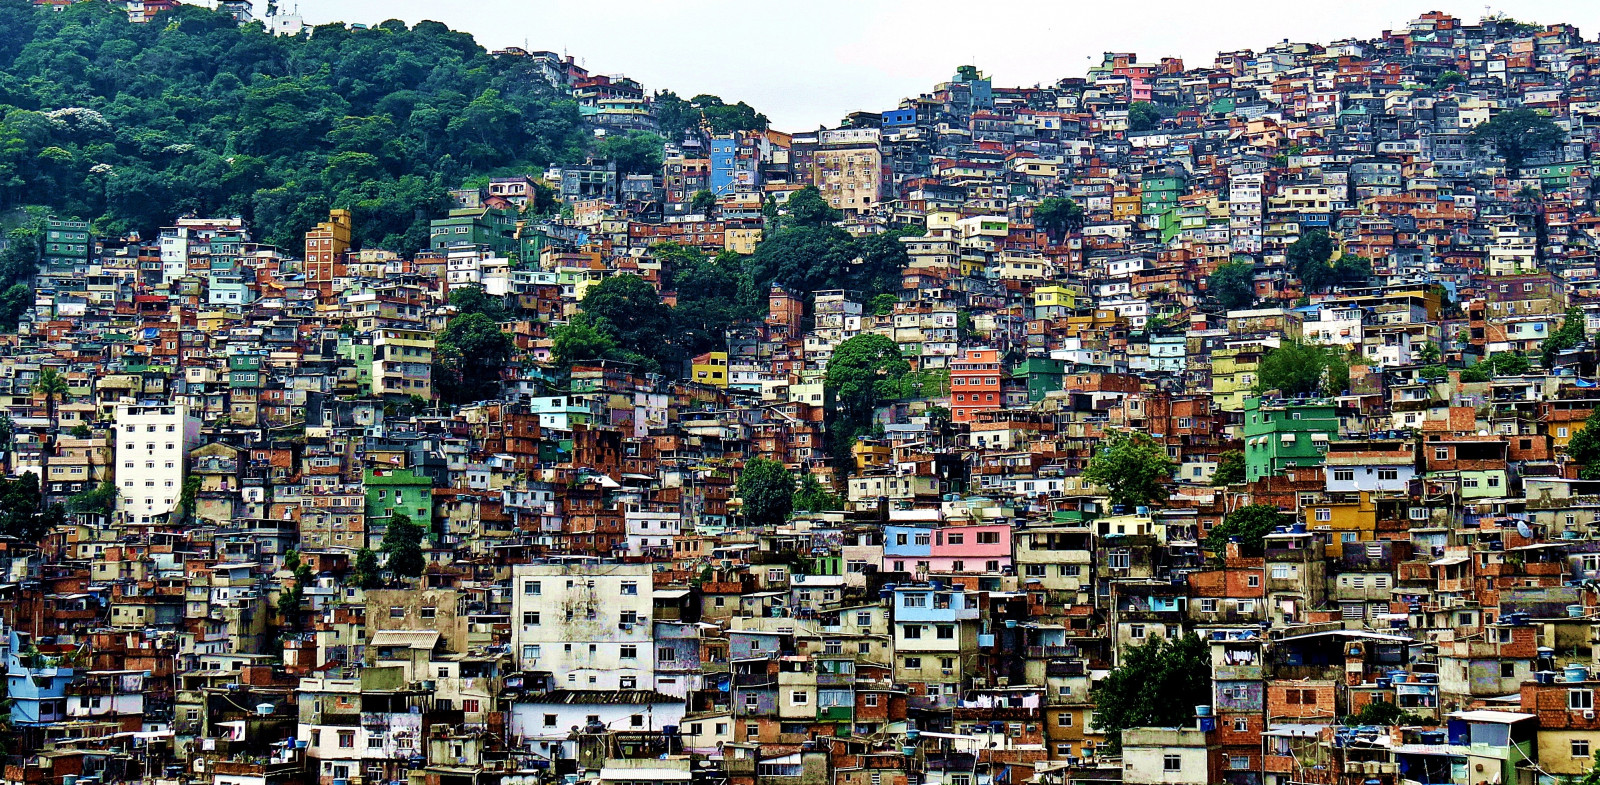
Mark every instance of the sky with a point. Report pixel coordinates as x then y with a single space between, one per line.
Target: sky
808 63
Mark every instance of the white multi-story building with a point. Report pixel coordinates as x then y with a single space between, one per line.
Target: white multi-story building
586 624
652 531
153 442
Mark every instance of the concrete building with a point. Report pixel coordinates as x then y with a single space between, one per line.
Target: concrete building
152 442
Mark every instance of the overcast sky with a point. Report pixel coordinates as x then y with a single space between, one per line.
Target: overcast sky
810 62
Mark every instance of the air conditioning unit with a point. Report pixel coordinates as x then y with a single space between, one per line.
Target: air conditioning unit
1588 715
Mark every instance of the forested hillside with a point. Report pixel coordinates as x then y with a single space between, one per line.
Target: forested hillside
127 125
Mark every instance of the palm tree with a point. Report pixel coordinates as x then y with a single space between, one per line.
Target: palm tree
53 386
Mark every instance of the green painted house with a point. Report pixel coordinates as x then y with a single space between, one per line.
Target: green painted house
480 227
398 490
1043 375
1284 433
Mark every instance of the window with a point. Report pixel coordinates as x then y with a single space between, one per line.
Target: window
955 538
530 618
1238 762
1388 474
1580 748
1208 605
1324 514
1441 453
1171 763
374 742
916 601
1253 581
799 698
870 700
1136 631
347 738
1247 606
988 538
630 587
1582 700
1344 475
429 612
912 632
945 632
629 652
913 662
1241 724
1280 572
1508 670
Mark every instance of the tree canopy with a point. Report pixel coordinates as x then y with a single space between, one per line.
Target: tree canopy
1299 368
767 490
402 542
1143 116
128 125
1157 684
629 309
469 357
1250 524
1233 284
1132 467
1517 134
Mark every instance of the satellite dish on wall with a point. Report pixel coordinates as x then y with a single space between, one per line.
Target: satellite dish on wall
1524 530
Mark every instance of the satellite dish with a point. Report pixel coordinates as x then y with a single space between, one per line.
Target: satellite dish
1524 530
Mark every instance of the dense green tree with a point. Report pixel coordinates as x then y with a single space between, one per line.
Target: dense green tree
1517 134
883 304
1583 448
1251 524
1382 712
1233 284
472 299
130 124
678 117
806 207
630 310
1501 364
469 357
713 293
813 496
14 302
23 513
1143 116
1058 216
99 500
579 339
1448 79
1299 368
402 543
1157 684
880 259
862 372
766 490
1565 337
805 258
634 152
1132 467
1311 259
704 202
1230 469
366 572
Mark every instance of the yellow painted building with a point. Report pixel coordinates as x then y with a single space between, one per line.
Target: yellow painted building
710 368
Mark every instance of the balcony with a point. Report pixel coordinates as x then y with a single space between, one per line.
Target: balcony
754 680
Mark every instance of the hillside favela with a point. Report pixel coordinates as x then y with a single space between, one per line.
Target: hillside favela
379 407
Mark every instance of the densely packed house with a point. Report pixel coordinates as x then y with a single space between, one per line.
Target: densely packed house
281 557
